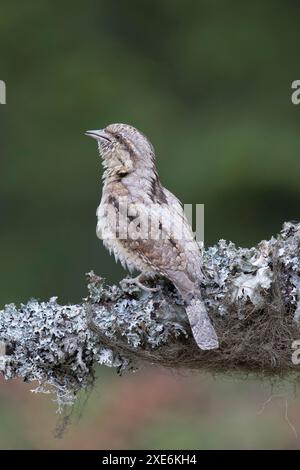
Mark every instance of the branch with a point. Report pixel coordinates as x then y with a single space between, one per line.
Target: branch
252 295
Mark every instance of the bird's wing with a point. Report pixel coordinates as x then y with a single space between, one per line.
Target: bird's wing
169 248
192 248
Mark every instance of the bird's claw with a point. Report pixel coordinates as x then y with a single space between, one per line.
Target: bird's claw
137 281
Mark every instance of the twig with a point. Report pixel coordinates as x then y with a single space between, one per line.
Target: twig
252 296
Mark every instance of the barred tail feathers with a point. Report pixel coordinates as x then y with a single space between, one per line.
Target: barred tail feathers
202 328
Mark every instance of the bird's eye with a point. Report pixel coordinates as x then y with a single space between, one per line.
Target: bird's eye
118 137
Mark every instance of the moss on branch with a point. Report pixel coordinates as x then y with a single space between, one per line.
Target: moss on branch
252 295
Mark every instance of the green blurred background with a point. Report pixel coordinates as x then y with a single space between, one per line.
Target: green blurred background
210 83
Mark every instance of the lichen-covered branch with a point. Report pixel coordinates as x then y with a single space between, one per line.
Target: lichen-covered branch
252 295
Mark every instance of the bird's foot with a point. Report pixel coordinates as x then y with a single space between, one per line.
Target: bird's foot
138 281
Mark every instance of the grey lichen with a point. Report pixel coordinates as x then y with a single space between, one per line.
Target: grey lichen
252 295
58 346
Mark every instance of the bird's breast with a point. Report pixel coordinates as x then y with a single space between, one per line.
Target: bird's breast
113 234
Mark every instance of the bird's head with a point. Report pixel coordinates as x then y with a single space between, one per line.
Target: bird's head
123 148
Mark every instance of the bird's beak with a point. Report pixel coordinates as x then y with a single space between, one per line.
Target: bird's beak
100 134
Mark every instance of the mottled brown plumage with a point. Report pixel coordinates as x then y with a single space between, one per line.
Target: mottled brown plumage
144 225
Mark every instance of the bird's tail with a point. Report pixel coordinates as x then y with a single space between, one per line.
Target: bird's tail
202 328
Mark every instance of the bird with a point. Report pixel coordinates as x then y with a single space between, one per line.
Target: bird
133 199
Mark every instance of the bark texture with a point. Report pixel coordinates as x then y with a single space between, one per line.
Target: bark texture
252 295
